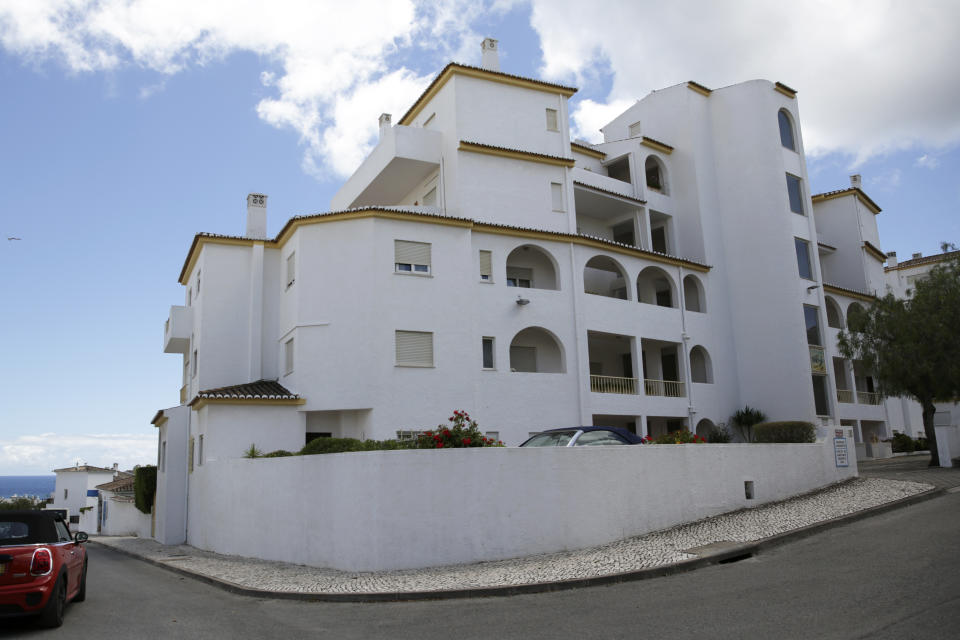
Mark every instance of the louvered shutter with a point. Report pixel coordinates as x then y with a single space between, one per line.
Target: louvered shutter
406 252
415 348
486 265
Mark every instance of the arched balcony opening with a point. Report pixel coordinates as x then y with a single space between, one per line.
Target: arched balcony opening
701 369
536 350
531 267
603 276
655 286
856 316
656 174
834 314
787 139
704 428
693 296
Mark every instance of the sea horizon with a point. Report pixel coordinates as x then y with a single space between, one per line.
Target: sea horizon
27 485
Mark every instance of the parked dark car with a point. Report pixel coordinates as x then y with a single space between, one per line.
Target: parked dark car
41 567
582 437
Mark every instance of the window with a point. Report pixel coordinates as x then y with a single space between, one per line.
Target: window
795 193
553 121
163 456
430 198
492 435
486 266
519 277
414 349
65 493
820 395
635 130
291 269
658 239
288 357
193 365
803 258
654 176
200 451
198 282
786 130
812 320
556 196
487 353
190 456
411 257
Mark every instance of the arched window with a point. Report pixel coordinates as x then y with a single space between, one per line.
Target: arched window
786 130
603 276
704 428
654 286
531 267
693 299
656 174
536 350
856 316
701 369
834 315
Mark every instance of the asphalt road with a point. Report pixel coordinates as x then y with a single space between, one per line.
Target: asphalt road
893 576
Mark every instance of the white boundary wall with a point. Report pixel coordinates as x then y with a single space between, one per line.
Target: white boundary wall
386 510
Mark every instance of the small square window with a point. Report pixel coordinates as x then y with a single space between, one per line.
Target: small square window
487 344
795 192
553 120
635 130
414 348
492 435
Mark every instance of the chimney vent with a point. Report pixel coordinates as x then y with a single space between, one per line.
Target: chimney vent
384 124
855 181
490 59
917 255
891 258
257 216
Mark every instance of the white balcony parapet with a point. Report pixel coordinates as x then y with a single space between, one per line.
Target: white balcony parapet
667 388
845 395
177 330
869 397
402 159
603 183
613 384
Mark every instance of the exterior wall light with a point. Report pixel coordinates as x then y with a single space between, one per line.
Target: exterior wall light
522 301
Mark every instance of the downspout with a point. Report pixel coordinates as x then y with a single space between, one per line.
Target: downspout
688 379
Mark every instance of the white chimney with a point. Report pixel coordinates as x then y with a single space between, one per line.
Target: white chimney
490 60
891 258
384 124
855 181
917 255
115 466
257 216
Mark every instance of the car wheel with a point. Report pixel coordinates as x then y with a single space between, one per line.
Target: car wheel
82 592
52 615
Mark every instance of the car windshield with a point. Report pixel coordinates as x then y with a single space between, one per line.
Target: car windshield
595 438
551 439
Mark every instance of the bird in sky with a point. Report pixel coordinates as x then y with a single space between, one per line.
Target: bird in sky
12 238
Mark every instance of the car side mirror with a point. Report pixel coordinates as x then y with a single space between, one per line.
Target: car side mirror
80 537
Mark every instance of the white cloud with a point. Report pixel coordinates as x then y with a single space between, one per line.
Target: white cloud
927 161
887 180
334 78
588 116
872 76
40 454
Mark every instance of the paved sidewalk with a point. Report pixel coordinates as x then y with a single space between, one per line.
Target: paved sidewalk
912 468
721 538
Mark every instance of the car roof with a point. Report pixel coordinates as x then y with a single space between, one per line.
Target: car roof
627 435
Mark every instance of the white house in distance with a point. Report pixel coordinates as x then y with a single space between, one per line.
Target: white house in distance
76 491
479 259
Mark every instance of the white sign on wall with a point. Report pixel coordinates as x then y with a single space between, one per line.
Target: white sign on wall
840 452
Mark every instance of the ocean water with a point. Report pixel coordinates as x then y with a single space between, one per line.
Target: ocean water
41 486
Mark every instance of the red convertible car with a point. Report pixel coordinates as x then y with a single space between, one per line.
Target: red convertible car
41 566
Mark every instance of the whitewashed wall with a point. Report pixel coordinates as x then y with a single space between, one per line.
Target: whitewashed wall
405 509
124 519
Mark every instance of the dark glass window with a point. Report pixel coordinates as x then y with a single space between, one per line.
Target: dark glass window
820 395
811 317
488 353
795 193
786 131
803 258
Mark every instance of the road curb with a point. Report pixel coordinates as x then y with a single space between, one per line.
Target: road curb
732 554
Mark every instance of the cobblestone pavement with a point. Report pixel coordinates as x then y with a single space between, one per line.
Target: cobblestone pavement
912 468
643 552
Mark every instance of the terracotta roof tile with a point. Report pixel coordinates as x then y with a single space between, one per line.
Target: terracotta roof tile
85 468
916 262
259 390
123 483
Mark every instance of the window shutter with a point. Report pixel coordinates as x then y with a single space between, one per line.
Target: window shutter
553 123
291 269
556 196
406 252
415 348
486 265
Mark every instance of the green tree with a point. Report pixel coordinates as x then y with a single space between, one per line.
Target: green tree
911 344
744 420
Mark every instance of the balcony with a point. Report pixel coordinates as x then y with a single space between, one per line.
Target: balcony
664 388
869 397
598 181
845 396
177 330
613 384
404 157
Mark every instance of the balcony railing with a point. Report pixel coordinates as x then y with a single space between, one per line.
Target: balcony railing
845 395
613 384
667 388
869 397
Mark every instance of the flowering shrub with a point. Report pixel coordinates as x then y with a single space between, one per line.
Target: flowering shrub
677 437
461 432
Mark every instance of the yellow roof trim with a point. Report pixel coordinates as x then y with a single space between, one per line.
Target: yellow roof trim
198 403
656 145
194 254
840 291
785 90
515 154
874 251
699 88
587 151
854 191
473 72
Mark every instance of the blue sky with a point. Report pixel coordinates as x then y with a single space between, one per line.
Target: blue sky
129 126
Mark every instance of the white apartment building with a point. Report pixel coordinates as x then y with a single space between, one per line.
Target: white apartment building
76 491
479 259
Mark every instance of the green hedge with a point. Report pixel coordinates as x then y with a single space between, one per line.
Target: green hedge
785 431
144 487
902 443
342 445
